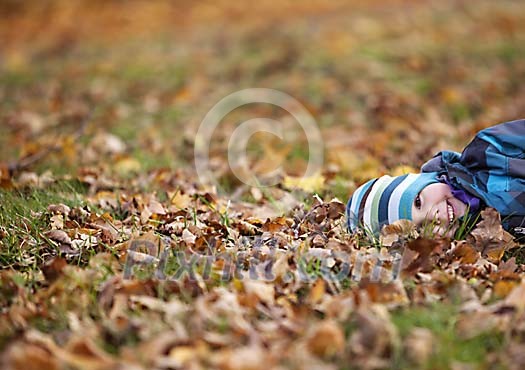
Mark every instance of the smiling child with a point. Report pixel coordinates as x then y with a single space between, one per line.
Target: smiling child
490 172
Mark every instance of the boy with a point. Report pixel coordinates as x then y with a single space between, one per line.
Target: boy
490 172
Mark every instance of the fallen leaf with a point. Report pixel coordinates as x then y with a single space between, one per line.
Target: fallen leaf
263 291
490 238
250 357
472 324
465 252
275 224
53 268
374 337
425 249
509 265
336 209
156 207
188 237
59 236
179 200
502 288
396 231
419 345
516 297
59 209
317 292
26 356
326 339
309 184
57 222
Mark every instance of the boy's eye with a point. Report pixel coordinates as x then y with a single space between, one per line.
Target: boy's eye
417 202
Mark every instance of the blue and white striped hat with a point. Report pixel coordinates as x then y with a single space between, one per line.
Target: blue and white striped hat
384 200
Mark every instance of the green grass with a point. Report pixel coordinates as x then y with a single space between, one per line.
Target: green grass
518 252
339 189
23 218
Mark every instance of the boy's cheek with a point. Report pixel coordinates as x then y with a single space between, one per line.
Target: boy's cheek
417 218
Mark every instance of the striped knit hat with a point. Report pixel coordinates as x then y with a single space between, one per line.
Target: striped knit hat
384 200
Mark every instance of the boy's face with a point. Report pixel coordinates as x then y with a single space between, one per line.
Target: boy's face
435 203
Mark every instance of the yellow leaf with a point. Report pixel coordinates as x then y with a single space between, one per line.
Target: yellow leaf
127 165
16 61
317 292
309 184
69 149
452 95
180 200
502 288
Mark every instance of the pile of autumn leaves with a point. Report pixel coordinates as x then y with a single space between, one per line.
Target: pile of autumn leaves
301 291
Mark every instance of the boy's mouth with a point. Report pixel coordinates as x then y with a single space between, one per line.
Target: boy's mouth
450 211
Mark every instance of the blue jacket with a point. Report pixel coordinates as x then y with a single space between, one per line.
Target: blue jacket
492 168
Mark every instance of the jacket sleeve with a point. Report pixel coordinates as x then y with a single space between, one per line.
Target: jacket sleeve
491 167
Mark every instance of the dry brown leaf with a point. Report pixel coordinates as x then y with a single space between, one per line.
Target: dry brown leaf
186 354
58 236
27 356
326 339
395 231
108 143
465 252
57 222
516 297
5 176
490 238
78 352
426 249
318 241
179 200
156 207
53 268
392 293
419 345
59 209
251 357
336 209
502 288
188 237
472 324
263 291
275 224
374 338
509 265
317 292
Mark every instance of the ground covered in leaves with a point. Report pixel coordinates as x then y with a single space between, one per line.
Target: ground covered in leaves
114 255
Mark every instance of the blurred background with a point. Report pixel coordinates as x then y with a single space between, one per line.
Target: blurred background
120 87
